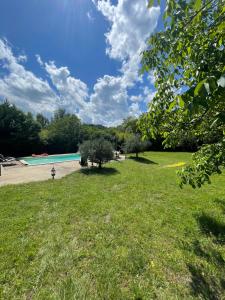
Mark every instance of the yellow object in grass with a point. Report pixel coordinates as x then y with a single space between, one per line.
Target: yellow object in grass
179 164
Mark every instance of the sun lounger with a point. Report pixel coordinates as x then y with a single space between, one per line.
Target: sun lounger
6 159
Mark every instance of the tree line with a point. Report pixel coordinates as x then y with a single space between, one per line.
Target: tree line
23 134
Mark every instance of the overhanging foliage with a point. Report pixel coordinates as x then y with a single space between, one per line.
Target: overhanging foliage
188 60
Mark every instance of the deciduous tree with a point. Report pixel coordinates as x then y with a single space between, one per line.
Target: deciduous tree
188 60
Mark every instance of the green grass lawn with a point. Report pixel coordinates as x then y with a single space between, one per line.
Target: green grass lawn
129 232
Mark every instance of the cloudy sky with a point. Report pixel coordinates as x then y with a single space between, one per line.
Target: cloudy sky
82 55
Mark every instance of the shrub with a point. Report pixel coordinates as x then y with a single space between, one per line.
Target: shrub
98 151
134 144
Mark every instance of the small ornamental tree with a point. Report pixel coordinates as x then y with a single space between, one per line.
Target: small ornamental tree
98 151
134 144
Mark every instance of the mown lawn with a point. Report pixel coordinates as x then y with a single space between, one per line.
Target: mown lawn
127 233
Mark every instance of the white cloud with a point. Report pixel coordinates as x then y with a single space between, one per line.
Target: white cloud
130 71
5 51
31 93
22 58
149 94
39 60
151 77
131 23
145 96
90 16
137 98
134 110
109 101
73 92
21 86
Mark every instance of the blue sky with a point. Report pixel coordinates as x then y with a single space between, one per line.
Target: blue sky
82 55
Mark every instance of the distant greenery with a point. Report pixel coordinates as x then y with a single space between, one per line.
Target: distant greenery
187 59
63 133
98 151
124 232
23 134
42 120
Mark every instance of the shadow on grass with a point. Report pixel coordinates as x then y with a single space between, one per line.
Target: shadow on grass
211 227
204 285
96 171
208 253
143 160
207 277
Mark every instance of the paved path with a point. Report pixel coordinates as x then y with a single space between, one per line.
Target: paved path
20 173
23 174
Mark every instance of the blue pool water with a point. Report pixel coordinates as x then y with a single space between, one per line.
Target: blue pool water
51 159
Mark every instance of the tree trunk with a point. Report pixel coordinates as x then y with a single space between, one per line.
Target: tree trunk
100 165
136 154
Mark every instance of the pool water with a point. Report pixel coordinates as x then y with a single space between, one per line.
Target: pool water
51 159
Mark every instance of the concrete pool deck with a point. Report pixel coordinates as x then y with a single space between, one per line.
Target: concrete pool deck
20 173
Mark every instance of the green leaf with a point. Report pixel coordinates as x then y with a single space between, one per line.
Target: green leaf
165 15
180 101
221 27
214 123
172 104
198 4
206 85
199 88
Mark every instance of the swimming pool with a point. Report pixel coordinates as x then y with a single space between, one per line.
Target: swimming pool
51 159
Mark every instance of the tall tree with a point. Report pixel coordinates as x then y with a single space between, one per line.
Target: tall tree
63 134
19 132
42 120
130 125
59 113
188 60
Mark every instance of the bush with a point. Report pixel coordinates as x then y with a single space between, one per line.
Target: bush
134 144
98 151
